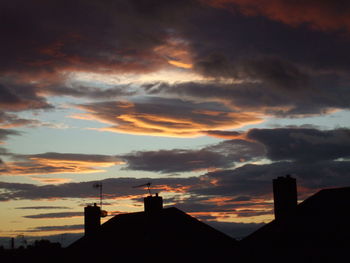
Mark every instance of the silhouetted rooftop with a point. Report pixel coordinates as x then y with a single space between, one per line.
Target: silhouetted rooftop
168 233
320 224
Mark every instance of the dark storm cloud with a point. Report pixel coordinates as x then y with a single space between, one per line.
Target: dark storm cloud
222 155
317 14
303 145
124 35
98 35
55 215
302 69
281 66
236 39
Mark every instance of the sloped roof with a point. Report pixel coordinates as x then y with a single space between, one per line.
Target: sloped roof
321 223
169 232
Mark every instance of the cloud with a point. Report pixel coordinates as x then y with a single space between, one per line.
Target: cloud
8 120
224 134
274 71
319 15
170 161
92 158
218 156
42 207
50 180
56 228
256 180
166 117
245 191
303 145
112 188
55 215
17 96
278 69
264 98
4 133
53 163
78 90
95 35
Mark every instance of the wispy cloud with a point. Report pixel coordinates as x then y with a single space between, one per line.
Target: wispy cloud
42 207
166 117
55 228
55 215
53 163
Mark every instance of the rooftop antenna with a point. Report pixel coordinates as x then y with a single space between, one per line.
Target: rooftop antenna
99 185
148 187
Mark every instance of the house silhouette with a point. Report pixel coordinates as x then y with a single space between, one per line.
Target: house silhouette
317 231
157 235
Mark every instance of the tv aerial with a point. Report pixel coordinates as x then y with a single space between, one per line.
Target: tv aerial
98 185
148 187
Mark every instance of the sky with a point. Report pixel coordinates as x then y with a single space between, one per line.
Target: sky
208 100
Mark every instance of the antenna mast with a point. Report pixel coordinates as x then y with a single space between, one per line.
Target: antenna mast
99 185
148 187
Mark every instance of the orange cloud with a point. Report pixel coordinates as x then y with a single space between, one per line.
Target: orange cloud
159 118
51 180
176 52
228 135
54 163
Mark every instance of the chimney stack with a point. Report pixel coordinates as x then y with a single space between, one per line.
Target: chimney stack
285 196
92 219
153 204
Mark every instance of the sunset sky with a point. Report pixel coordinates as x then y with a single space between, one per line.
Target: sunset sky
208 100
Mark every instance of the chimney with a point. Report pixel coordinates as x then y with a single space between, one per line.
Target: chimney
284 196
153 204
92 219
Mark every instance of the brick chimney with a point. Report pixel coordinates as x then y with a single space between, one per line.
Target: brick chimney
153 204
285 196
92 219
